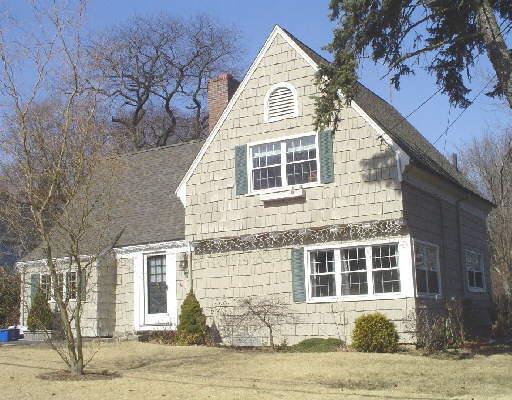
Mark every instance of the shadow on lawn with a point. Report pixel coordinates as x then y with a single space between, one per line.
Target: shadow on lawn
292 388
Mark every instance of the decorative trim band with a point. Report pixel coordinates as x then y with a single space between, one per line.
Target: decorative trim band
295 237
177 244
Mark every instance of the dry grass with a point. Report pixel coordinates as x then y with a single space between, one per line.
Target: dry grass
150 371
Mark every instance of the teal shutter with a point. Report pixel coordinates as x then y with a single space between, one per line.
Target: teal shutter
241 170
34 285
298 283
326 157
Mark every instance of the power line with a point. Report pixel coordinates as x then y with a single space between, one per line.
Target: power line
445 132
416 109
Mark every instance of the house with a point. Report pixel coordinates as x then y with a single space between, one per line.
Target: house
370 217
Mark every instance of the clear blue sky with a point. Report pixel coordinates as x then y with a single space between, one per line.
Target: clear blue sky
308 21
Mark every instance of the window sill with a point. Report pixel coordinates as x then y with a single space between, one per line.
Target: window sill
429 296
385 296
286 189
290 193
477 290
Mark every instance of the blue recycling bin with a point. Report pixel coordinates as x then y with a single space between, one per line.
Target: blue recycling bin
13 334
4 335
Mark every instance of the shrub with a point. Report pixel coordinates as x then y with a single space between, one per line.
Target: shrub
318 345
40 315
163 337
9 298
192 328
439 327
375 333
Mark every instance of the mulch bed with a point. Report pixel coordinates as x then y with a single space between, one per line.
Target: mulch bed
63 375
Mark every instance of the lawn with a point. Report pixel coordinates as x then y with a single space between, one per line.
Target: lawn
150 371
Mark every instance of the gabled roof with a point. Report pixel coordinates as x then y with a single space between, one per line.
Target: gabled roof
401 131
383 114
146 208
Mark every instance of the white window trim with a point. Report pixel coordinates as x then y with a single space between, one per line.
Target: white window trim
439 280
407 282
285 187
482 265
289 86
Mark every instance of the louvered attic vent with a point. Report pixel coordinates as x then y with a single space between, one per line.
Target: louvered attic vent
281 102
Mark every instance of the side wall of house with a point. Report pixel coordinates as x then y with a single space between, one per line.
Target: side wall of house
431 212
124 307
106 296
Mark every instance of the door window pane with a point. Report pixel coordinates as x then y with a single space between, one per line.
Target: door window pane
157 284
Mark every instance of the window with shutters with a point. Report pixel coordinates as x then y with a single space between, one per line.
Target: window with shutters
363 271
428 272
280 102
286 162
474 262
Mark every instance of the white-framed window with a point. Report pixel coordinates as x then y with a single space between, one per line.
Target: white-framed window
71 285
355 272
280 102
287 162
428 271
474 262
59 286
386 275
46 285
322 273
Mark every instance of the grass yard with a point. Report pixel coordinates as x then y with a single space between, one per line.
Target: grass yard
150 371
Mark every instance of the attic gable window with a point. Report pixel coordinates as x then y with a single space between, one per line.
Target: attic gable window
285 162
280 102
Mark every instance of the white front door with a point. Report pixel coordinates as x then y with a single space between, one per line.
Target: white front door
159 288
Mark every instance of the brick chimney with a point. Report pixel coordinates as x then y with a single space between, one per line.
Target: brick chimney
220 91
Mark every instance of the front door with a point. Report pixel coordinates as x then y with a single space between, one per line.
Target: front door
156 288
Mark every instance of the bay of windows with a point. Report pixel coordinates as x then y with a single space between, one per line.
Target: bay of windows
354 271
282 163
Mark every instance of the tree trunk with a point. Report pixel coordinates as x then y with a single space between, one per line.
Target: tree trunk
496 47
271 337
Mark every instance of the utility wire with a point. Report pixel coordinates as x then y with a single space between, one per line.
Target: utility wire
445 132
416 109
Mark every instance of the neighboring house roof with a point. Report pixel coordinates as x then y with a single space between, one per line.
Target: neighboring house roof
403 133
392 123
146 208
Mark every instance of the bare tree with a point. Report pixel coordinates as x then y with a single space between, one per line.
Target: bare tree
488 162
155 71
54 158
269 312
